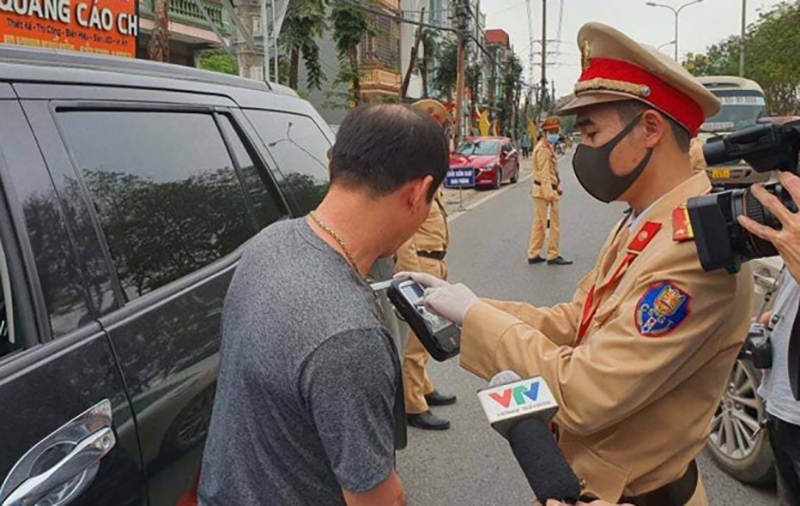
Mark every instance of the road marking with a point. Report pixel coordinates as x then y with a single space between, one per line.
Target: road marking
487 198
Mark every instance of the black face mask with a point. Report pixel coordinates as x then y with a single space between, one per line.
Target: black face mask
593 169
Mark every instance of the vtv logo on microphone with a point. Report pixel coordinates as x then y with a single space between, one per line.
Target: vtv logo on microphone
519 394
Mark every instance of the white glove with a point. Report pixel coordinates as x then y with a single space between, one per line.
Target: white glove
448 301
451 302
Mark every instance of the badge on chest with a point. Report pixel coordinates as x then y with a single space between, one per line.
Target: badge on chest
662 308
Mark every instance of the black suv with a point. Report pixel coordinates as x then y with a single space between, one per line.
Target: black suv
127 190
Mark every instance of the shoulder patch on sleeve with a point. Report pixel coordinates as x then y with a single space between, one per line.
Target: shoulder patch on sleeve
662 309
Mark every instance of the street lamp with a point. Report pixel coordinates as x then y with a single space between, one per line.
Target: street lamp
676 12
665 44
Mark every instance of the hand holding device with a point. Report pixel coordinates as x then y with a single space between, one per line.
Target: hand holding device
440 337
445 299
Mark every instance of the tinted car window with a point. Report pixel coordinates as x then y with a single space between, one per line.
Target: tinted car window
164 188
266 202
301 151
60 278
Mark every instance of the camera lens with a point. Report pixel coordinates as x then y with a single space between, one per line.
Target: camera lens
757 247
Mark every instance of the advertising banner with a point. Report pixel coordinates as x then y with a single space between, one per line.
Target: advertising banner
95 26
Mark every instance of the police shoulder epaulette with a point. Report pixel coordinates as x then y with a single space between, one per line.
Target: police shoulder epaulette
681 225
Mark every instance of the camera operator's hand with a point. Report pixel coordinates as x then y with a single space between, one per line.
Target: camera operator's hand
449 301
786 240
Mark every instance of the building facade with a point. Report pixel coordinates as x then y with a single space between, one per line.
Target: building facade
498 44
189 32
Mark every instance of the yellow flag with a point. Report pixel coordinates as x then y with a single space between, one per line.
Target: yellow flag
483 122
532 130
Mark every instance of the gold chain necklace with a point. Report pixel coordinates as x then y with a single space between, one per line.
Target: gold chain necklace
336 237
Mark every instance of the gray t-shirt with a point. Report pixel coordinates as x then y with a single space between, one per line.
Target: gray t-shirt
775 387
308 378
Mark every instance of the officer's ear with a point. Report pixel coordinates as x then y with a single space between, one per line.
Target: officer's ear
655 126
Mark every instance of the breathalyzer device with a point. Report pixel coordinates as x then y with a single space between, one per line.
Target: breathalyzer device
441 337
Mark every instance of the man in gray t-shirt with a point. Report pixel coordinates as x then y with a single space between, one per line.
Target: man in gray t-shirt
295 375
309 374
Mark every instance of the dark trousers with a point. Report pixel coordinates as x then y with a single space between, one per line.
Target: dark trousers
784 438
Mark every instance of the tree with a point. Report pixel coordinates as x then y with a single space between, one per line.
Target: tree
428 53
445 75
771 47
303 25
350 27
158 47
510 75
219 61
474 74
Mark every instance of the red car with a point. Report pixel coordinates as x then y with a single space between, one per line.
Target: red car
494 160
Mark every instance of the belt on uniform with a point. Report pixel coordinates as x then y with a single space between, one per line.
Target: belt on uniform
433 255
677 493
537 183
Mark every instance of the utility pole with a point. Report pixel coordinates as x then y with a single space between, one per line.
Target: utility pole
544 59
462 19
741 41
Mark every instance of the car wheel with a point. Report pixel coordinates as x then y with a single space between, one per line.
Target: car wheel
190 427
737 442
498 179
515 177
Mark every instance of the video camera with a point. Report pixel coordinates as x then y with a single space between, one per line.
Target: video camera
721 242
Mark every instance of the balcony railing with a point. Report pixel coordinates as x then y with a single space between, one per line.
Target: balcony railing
187 11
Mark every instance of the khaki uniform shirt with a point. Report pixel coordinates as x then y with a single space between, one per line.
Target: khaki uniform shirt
635 405
545 172
432 236
696 155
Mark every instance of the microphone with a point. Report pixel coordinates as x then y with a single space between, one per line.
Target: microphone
520 411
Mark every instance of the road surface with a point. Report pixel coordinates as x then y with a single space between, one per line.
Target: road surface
470 465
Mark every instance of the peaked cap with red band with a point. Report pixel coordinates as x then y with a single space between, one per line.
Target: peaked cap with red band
617 68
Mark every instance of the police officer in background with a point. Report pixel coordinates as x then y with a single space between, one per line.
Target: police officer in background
696 156
638 360
424 252
546 192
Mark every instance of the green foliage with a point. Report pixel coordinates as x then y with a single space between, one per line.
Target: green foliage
304 24
510 77
350 26
445 74
772 45
219 61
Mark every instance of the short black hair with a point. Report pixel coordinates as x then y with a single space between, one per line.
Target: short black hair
629 109
383 147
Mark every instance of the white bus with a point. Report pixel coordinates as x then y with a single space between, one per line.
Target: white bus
743 103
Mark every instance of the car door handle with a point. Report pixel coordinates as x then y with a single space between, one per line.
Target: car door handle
84 457
82 441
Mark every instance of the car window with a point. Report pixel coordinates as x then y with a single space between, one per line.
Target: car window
164 188
263 194
301 152
9 341
478 147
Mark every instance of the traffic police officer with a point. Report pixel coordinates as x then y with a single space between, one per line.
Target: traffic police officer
546 192
696 156
639 358
424 252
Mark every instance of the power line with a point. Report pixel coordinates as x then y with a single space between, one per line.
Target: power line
506 9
